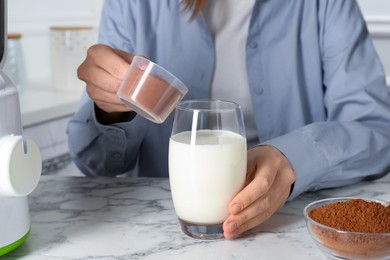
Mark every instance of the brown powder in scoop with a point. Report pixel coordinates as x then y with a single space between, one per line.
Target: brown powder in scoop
157 98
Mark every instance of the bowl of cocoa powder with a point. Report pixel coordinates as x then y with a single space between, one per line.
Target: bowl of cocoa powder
350 228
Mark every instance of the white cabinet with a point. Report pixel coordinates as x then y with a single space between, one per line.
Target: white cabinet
45 115
32 19
45 112
377 16
50 136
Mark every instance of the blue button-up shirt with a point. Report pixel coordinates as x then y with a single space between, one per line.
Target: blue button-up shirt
317 87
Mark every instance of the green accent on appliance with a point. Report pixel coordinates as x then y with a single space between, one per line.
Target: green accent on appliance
6 249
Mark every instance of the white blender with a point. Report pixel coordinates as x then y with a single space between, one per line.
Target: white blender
20 158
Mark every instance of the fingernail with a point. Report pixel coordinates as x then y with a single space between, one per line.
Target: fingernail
232 226
235 208
228 236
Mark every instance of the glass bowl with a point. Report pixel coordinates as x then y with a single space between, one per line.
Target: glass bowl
341 244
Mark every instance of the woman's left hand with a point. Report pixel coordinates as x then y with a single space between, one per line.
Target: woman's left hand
268 184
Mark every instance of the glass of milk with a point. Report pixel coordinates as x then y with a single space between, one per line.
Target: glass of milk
207 164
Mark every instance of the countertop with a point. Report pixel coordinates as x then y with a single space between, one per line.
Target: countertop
42 105
133 218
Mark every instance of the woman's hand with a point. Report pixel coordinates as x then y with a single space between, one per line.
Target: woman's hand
268 185
103 70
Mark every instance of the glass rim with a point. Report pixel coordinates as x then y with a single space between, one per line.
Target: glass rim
176 82
183 105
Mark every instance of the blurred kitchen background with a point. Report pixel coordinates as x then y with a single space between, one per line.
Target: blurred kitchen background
46 105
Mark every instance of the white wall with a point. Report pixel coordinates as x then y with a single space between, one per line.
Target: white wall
377 15
33 19
375 9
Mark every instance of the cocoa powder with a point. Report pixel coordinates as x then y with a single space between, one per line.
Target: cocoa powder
369 220
356 215
157 98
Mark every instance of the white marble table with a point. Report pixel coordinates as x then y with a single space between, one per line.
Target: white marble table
124 218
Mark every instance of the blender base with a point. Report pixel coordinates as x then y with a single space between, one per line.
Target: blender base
8 248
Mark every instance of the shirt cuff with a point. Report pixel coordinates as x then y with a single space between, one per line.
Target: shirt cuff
306 158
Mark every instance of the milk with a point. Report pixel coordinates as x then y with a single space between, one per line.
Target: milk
205 177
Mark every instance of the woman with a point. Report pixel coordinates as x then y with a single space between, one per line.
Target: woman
316 107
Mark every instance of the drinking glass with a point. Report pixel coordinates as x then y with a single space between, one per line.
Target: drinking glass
207 164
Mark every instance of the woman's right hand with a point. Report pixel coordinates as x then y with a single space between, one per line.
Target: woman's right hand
103 70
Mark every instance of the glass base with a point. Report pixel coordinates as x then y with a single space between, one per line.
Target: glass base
201 231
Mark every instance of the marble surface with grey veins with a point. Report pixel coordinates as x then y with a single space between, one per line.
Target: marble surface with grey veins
133 218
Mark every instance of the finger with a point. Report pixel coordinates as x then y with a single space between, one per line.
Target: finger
264 177
106 100
263 165
110 60
238 229
261 209
96 77
264 207
125 55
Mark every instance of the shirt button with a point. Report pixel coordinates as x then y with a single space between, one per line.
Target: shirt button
253 45
116 156
259 91
110 130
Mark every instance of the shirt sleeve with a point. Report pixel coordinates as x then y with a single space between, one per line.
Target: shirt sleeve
117 25
354 142
106 150
103 150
